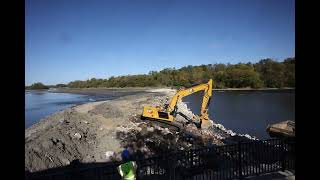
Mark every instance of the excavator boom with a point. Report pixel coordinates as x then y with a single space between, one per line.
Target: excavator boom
171 110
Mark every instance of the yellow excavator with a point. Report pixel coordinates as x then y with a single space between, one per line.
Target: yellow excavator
167 115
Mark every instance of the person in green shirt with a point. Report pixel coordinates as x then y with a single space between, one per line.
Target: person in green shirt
128 169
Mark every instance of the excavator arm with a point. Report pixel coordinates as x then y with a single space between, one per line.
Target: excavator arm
171 110
207 88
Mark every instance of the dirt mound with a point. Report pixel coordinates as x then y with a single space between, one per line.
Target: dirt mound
86 132
69 139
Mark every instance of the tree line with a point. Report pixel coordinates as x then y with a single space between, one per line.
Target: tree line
267 73
37 85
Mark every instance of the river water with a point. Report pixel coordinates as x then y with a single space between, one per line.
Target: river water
247 112
39 104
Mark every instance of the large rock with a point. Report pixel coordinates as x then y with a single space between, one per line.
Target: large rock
77 135
206 124
282 129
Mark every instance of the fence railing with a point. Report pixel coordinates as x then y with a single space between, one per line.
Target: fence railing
233 161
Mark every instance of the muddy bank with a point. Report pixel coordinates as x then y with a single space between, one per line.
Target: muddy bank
99 131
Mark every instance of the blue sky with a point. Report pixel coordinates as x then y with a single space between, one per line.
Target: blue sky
79 40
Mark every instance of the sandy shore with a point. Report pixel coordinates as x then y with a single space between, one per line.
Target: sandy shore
99 131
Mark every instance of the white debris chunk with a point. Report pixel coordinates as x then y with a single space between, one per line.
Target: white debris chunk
77 135
109 154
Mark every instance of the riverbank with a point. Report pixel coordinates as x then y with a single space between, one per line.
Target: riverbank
113 92
99 131
126 90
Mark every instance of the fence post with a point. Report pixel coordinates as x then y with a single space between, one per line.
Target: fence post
283 155
239 160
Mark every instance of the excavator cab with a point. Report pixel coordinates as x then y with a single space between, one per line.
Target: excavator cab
170 111
154 113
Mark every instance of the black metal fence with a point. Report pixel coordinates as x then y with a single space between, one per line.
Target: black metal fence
221 162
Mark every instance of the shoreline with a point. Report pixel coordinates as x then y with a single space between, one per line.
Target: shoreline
117 92
98 132
134 90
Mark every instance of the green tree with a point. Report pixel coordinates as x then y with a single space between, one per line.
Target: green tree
289 72
242 75
265 73
271 72
38 86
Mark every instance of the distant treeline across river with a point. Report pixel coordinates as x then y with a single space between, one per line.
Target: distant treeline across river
267 73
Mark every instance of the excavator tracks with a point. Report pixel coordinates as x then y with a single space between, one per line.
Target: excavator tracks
172 126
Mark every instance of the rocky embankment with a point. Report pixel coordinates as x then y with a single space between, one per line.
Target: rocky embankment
99 131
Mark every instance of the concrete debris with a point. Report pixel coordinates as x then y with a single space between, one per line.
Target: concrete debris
65 161
109 154
166 131
150 129
49 157
150 138
77 135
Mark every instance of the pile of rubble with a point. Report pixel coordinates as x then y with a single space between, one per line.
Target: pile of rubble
146 138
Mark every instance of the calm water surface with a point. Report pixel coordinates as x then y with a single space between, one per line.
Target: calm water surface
39 104
247 111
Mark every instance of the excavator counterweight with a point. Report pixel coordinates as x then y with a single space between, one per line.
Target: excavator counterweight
168 115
